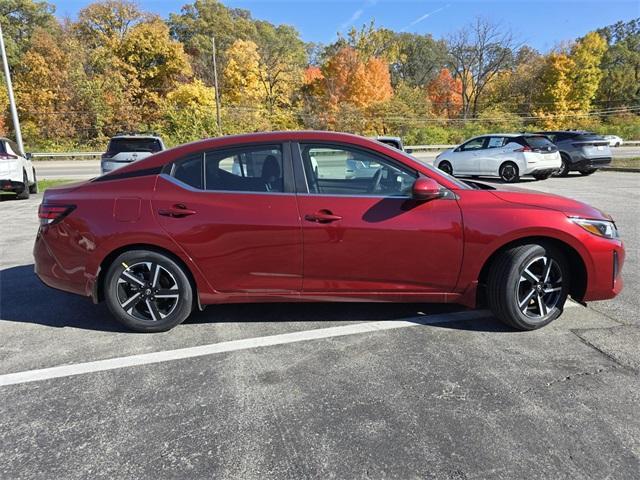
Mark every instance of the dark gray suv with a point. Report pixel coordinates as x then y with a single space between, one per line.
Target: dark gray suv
580 150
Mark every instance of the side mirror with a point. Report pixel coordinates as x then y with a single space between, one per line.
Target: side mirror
425 188
28 156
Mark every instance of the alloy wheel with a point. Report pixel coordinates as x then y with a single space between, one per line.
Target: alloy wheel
539 288
147 291
509 173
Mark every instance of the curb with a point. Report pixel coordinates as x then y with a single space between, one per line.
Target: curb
622 169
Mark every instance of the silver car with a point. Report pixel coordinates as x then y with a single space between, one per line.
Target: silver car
580 150
124 149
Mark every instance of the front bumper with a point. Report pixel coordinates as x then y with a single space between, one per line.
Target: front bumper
605 279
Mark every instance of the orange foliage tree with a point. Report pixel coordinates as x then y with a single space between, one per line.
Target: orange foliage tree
445 94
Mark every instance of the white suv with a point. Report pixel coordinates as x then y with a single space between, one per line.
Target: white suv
505 155
17 173
124 149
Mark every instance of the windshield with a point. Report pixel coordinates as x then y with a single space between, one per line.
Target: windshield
458 183
117 145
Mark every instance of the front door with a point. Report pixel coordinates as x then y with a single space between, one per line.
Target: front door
364 233
235 213
466 161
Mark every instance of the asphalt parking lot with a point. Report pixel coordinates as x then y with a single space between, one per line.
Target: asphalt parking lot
320 390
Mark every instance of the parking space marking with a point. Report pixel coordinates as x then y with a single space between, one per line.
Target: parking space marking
234 345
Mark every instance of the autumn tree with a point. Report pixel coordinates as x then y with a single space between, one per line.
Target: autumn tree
554 99
106 23
445 94
419 59
19 19
477 53
189 112
586 56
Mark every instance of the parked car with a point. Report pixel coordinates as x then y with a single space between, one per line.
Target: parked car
505 155
580 150
614 140
125 148
17 173
179 230
395 142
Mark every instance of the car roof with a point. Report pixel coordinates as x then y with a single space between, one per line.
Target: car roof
134 136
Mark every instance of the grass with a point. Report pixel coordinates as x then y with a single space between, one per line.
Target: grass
44 184
626 162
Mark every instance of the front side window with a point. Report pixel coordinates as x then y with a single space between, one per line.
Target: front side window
475 144
342 170
246 169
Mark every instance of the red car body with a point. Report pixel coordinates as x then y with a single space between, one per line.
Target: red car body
256 247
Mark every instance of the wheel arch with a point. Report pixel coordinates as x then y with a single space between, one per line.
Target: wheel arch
577 266
98 287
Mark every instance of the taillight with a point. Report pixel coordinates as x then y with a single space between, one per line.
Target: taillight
523 149
51 214
7 156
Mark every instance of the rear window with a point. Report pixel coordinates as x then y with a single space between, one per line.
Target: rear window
539 143
117 145
588 137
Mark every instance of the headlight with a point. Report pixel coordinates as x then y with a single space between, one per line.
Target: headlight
601 228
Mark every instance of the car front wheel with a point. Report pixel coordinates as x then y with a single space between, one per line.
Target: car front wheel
528 285
446 167
148 291
563 171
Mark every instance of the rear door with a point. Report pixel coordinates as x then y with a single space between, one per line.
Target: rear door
234 212
365 234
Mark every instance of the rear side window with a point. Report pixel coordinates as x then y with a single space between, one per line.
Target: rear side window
495 142
249 169
539 143
118 145
189 171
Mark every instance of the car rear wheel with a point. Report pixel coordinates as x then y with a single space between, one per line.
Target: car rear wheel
563 171
148 291
509 172
33 188
446 167
528 286
24 194
541 176
587 171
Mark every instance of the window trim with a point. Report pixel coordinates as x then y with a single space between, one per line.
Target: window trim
301 181
287 170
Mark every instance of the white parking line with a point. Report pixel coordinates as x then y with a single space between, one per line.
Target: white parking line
233 345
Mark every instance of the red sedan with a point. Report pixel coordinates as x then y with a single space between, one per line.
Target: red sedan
317 216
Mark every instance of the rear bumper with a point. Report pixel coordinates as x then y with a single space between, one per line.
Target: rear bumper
11 186
591 163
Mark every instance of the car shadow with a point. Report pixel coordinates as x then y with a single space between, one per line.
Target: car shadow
24 298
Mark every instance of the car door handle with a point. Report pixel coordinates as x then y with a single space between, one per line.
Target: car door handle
323 216
177 211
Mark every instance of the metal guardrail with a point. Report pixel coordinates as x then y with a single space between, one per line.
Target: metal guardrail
67 155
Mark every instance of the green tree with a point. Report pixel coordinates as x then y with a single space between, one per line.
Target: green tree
19 19
189 113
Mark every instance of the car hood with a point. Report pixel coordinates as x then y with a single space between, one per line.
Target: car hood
569 207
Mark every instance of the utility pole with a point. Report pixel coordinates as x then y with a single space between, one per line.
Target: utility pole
12 101
215 83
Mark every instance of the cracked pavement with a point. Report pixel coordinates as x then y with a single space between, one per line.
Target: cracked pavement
461 400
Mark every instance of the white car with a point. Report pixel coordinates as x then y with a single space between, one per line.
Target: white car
505 155
17 173
614 140
124 149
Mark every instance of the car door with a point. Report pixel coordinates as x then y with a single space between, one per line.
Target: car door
234 212
466 159
491 156
366 234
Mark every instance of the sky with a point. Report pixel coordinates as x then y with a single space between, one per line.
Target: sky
540 24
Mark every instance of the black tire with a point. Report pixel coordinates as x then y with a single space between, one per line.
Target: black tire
617 144
122 291
509 172
24 194
506 289
541 176
588 171
446 167
33 188
563 171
